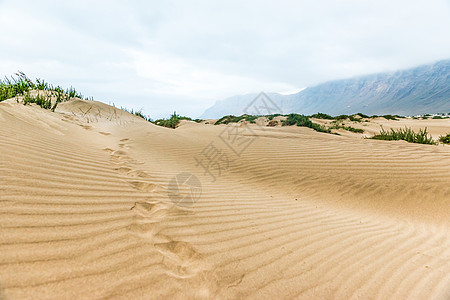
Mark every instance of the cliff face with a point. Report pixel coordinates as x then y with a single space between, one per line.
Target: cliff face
425 89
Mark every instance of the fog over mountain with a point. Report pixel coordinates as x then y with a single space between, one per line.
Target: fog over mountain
424 89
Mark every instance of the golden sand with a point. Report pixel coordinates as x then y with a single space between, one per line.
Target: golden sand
85 211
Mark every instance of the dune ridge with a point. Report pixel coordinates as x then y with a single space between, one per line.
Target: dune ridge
84 212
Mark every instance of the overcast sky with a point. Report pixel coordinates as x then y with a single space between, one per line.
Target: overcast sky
184 55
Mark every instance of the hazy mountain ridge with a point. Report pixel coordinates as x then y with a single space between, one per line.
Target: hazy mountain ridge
424 89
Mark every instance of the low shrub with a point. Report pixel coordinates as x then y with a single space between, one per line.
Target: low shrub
228 119
11 87
233 119
445 139
320 128
304 121
391 117
345 117
20 84
322 116
406 134
172 122
362 115
43 102
348 128
352 129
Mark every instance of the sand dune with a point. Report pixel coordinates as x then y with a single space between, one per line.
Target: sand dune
85 211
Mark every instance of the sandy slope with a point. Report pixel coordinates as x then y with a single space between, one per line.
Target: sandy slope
84 211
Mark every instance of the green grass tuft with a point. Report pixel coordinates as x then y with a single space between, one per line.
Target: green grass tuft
173 121
445 139
20 84
348 128
43 102
391 117
11 87
304 121
406 134
320 115
345 117
362 115
233 119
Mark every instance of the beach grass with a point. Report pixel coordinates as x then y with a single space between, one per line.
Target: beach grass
20 85
406 134
445 139
304 121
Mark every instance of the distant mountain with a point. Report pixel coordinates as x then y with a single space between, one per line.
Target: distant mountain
424 89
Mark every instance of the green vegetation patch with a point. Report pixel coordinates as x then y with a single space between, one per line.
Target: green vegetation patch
233 119
445 139
21 85
173 121
43 102
11 87
392 117
406 134
352 118
322 116
362 115
348 128
304 121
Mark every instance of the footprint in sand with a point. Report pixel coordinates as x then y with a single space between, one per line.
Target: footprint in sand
179 257
149 221
138 179
148 230
119 156
150 212
178 250
137 174
150 209
143 186
123 170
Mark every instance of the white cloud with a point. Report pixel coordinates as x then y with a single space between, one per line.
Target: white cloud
184 55
172 75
